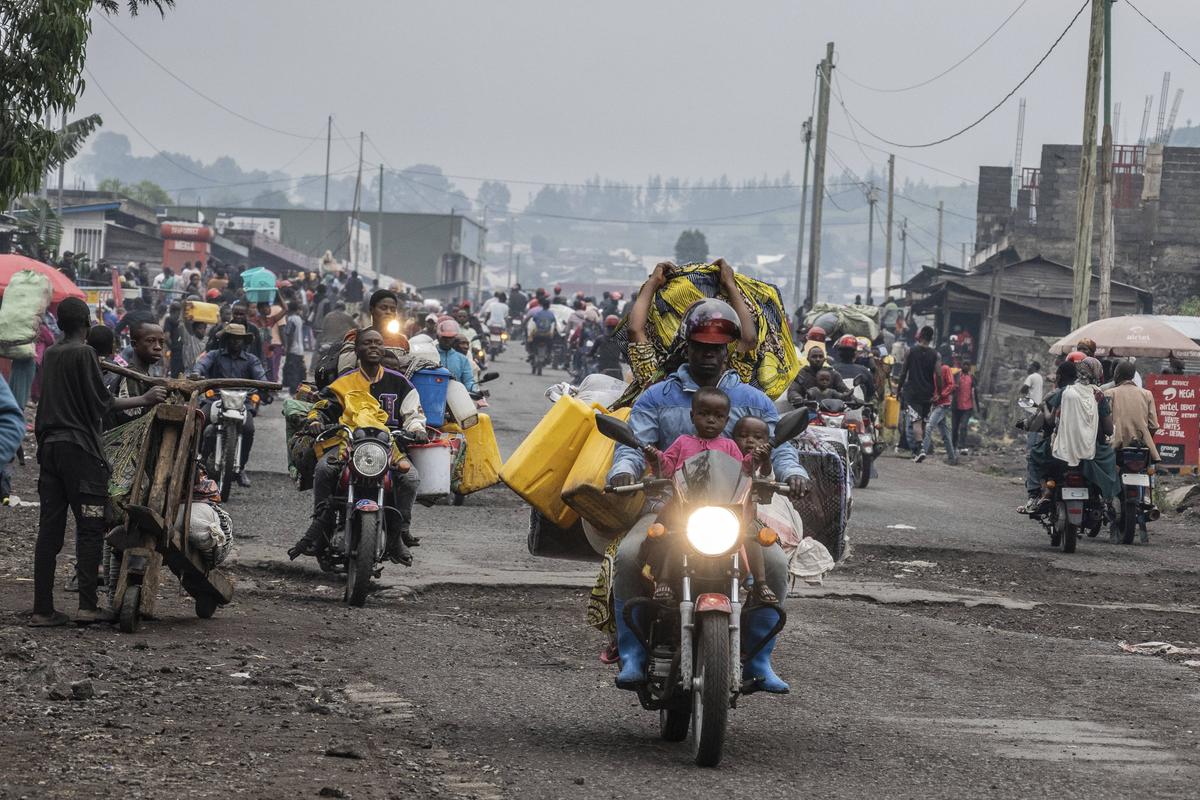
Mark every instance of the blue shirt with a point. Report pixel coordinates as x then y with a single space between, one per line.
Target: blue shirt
459 366
12 424
663 413
220 364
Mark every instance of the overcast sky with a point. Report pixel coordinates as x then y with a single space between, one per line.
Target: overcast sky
559 90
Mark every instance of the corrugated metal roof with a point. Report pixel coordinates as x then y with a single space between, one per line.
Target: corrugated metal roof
1188 326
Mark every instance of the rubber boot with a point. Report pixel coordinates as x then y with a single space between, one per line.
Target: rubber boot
633 654
310 543
757 673
397 550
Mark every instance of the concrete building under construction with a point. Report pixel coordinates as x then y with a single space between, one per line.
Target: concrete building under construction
1156 199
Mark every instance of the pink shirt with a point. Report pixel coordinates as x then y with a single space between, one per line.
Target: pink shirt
688 445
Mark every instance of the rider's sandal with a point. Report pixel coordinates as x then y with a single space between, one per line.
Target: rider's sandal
762 595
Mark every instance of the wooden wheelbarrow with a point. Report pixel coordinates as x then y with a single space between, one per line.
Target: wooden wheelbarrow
154 531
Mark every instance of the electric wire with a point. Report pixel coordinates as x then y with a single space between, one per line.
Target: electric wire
986 114
201 94
1166 36
949 69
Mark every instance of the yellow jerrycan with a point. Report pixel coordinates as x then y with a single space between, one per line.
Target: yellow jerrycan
584 488
539 467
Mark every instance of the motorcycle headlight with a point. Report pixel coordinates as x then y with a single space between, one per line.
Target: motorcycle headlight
713 530
233 398
370 459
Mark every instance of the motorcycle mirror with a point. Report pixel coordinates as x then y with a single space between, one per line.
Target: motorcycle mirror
488 376
617 430
789 426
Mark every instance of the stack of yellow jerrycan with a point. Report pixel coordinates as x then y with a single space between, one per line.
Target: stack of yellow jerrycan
481 463
583 489
539 468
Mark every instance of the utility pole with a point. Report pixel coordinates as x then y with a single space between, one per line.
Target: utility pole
798 293
964 255
517 271
357 198
61 168
941 208
1107 234
887 247
481 255
1086 200
379 233
872 199
903 249
814 243
325 203
508 282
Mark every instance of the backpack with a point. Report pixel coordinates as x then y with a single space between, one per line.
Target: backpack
327 364
544 324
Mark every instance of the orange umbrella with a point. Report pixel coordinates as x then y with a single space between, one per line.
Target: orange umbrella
1130 336
64 287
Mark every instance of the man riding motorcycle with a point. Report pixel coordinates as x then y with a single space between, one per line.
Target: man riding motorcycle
370 383
660 415
542 327
231 361
454 361
845 363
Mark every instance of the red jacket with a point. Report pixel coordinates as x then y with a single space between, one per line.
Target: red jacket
943 385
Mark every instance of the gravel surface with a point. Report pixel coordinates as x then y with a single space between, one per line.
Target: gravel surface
472 674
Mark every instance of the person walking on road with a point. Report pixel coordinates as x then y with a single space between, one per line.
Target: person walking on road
74 471
939 417
966 401
917 390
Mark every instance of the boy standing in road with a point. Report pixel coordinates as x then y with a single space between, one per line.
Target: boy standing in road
74 472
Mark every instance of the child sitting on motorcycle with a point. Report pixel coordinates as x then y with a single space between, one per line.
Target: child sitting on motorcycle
824 389
710 414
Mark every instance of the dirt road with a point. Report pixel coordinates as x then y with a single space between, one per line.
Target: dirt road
953 654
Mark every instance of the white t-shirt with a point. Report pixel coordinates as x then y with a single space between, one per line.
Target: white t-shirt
1036 385
497 314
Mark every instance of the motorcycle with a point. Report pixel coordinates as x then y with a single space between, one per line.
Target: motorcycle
1073 507
695 647
847 415
357 546
540 350
1137 484
228 413
516 329
497 337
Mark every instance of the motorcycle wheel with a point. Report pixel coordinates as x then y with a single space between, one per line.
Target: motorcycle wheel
1070 538
362 561
1057 524
130 616
710 698
864 474
1128 523
673 723
228 459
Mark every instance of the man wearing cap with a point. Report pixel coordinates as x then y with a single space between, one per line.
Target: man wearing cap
458 364
661 415
428 334
232 361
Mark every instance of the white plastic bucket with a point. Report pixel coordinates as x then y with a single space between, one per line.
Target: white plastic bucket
432 461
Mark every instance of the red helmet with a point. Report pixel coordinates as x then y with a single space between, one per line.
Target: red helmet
1077 356
213 294
711 321
612 320
816 334
847 341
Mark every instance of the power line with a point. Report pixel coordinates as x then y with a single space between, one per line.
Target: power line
143 136
908 160
1166 36
986 114
949 69
201 94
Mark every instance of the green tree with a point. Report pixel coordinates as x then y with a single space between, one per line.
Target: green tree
41 78
691 247
1190 307
147 193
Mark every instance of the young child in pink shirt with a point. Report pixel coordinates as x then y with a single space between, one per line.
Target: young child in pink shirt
710 415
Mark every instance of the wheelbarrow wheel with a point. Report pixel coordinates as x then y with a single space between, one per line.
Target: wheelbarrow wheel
206 606
131 610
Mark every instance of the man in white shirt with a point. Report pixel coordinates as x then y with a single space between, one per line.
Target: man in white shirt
1034 385
496 314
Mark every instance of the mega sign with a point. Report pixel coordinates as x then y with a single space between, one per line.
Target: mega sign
1177 399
